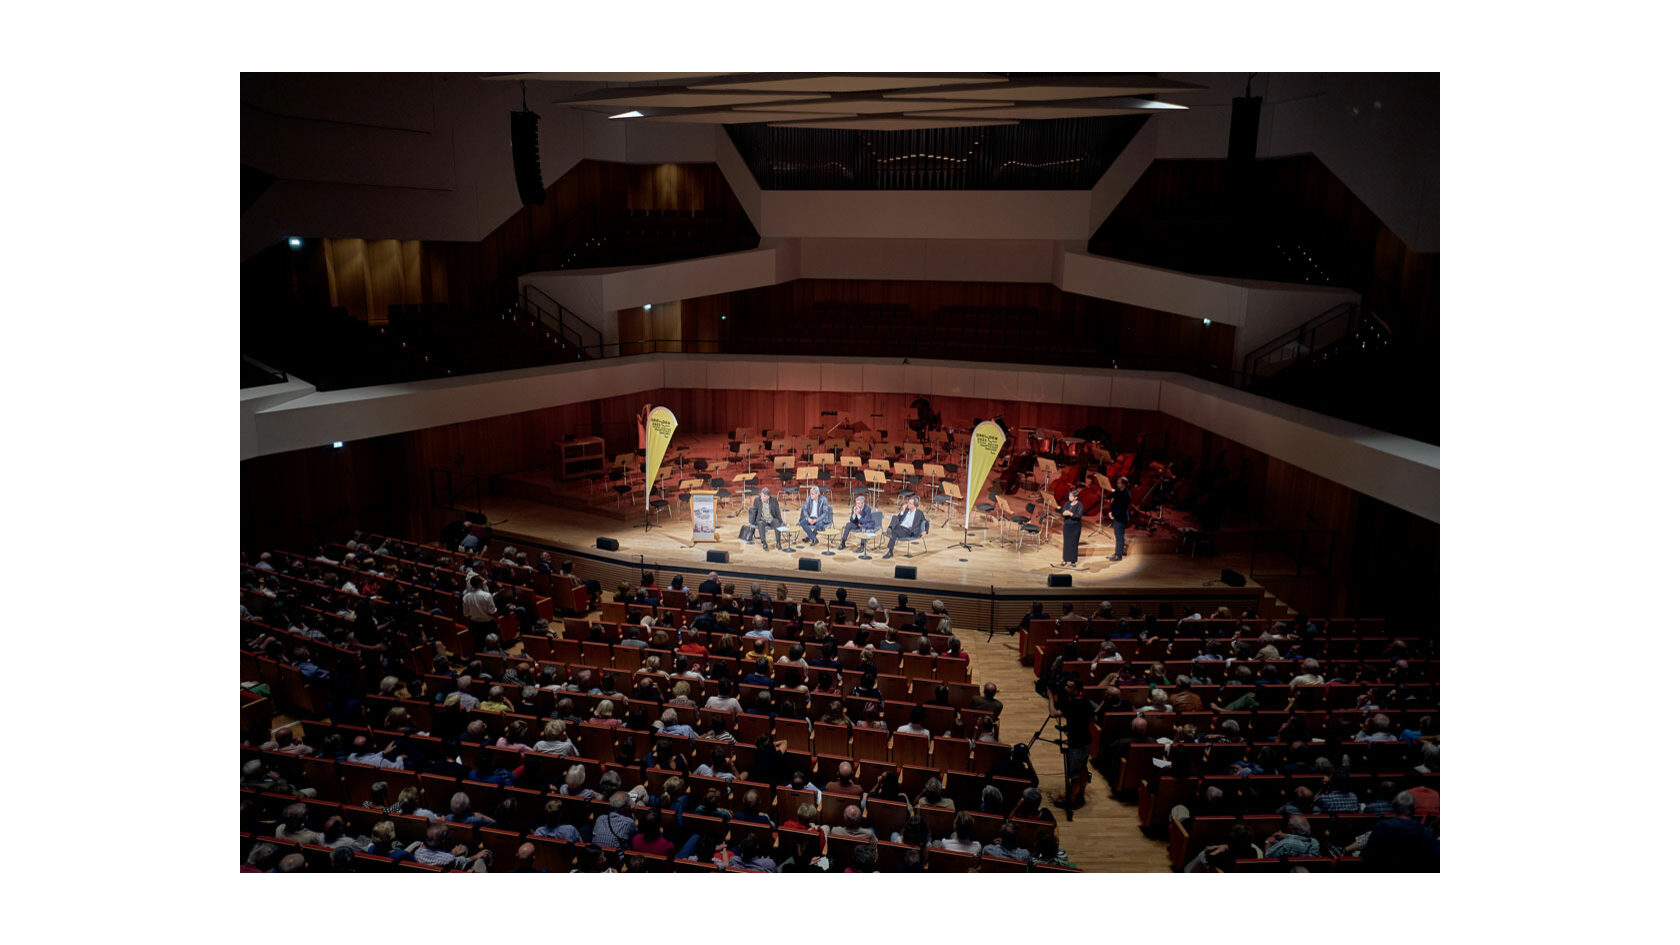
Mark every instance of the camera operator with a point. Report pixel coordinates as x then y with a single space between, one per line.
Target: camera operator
1075 712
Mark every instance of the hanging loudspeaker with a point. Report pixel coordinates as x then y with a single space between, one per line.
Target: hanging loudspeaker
527 162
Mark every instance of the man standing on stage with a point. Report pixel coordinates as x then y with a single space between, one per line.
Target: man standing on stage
1122 515
911 523
816 515
862 520
765 517
1073 523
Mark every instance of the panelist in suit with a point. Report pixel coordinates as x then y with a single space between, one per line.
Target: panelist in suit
1122 515
861 520
1073 523
815 515
765 517
911 523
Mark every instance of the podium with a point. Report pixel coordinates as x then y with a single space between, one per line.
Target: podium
703 513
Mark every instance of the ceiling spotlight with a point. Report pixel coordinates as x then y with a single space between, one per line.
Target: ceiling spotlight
629 114
295 243
338 444
647 307
1207 321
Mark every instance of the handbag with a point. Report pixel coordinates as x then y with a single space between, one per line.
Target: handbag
746 533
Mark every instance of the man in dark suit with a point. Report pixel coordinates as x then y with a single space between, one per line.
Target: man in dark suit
1122 515
911 523
765 517
710 585
815 515
1073 523
862 520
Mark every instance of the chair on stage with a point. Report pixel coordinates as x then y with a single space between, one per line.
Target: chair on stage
873 532
950 497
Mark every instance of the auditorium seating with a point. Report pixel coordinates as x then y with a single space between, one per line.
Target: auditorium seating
1159 778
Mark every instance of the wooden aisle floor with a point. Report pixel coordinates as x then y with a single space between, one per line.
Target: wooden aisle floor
1104 834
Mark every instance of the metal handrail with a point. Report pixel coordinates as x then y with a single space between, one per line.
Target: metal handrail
1304 337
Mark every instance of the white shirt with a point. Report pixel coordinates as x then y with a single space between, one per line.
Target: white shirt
911 728
478 605
908 519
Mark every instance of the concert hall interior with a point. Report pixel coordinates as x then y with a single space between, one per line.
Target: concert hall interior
797 472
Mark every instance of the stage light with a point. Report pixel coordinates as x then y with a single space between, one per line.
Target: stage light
1207 321
647 307
629 114
295 243
338 444
726 318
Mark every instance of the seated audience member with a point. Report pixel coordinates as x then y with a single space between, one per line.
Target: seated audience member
1295 839
844 782
1006 845
614 827
1402 843
650 838
749 811
933 795
554 739
435 851
851 824
962 839
554 824
292 825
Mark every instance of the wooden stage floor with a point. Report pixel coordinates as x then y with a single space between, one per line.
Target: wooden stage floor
990 563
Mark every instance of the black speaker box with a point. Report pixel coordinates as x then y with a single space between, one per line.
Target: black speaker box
1245 128
607 544
1232 578
810 564
717 557
1061 580
905 572
527 162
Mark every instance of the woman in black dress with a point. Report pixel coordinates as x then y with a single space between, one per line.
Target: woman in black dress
1073 522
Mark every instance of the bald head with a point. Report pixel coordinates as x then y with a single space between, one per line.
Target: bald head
852 816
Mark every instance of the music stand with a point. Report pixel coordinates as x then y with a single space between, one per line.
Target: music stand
904 471
877 481
741 490
1107 492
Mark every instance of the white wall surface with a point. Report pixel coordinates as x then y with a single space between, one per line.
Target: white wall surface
1402 472
1261 310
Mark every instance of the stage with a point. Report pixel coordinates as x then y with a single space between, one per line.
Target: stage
531 507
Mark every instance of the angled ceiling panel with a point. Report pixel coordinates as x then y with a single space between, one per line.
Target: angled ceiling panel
734 117
847 82
893 124
1033 111
684 99
864 106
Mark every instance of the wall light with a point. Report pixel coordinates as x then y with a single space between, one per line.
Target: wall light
629 114
338 444
648 307
1207 321
295 243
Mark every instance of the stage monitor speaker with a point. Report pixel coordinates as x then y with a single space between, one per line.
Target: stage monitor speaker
1232 578
527 163
717 557
906 572
1061 580
607 544
810 564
